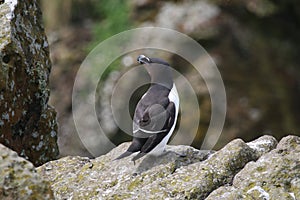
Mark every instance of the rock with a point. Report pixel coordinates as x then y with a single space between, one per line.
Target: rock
172 175
275 175
72 177
18 178
199 22
27 123
263 145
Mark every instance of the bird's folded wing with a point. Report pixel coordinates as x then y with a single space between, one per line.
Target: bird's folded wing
154 139
154 119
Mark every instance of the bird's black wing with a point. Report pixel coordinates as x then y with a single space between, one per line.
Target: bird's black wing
151 112
155 138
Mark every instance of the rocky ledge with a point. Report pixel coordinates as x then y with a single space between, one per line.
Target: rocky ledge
261 169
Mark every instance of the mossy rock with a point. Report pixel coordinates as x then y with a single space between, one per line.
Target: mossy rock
171 175
19 180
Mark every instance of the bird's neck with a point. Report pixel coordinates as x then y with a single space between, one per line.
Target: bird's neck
163 81
161 75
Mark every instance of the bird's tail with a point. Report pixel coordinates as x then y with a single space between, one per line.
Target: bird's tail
141 154
123 155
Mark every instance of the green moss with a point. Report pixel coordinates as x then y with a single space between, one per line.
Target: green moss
120 196
250 185
135 183
187 178
154 190
261 168
113 183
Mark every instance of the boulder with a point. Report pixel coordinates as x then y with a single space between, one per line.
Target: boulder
181 173
27 123
275 175
19 180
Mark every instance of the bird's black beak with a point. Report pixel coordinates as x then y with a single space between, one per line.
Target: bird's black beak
143 59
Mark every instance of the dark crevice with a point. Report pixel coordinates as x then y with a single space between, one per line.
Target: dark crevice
6 59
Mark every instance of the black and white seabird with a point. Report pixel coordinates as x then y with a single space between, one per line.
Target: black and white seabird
156 113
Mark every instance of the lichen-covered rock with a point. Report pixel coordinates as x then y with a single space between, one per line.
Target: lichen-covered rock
27 124
275 175
18 178
171 175
83 178
263 145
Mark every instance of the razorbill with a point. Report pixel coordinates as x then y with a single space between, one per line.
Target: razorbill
156 113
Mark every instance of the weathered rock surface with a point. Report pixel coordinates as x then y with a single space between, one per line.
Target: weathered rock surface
195 176
27 124
200 21
19 180
254 170
275 175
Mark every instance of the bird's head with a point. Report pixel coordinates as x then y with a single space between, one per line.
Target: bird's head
142 59
158 69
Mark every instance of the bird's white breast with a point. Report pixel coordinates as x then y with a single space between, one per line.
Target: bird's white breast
173 97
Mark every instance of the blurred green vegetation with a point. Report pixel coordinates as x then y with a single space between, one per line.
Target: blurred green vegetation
115 19
106 17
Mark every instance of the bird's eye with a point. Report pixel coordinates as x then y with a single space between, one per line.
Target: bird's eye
146 118
143 59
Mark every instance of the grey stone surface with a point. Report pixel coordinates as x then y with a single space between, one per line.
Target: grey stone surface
19 180
238 171
105 178
263 145
173 176
27 123
275 175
